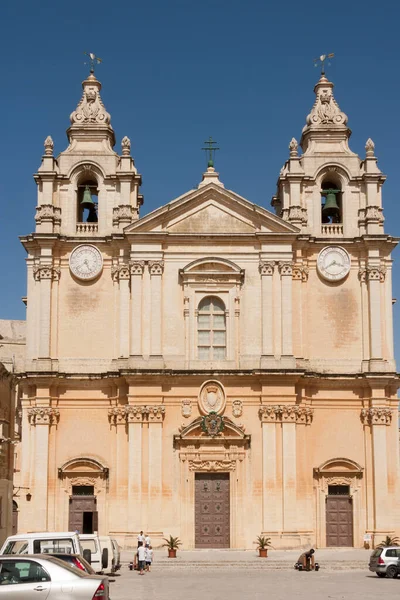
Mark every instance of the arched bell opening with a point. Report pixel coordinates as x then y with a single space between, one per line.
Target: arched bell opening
331 202
87 201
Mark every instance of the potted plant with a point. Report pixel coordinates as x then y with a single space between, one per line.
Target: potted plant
172 543
389 541
263 544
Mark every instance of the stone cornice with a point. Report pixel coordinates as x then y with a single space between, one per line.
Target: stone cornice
280 413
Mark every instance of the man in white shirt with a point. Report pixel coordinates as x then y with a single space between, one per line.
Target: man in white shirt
141 558
148 551
147 540
140 538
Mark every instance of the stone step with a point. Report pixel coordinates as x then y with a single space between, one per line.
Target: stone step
257 564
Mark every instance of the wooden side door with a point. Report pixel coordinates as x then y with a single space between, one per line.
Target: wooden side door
339 521
77 506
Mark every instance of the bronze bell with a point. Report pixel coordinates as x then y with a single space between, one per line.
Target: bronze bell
87 201
330 208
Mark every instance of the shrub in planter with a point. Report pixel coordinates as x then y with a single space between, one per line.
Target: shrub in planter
263 544
172 544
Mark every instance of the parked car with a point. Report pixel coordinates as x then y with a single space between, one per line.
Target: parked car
22 577
105 552
383 561
76 560
65 542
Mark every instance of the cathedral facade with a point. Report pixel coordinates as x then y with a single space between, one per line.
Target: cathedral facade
212 370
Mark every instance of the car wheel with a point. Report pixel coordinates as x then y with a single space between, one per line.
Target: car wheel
381 574
391 571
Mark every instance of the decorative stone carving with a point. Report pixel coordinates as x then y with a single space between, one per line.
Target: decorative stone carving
46 272
266 268
285 269
212 465
326 110
296 213
294 148
212 424
369 147
133 414
48 212
137 267
286 414
339 480
90 108
376 274
376 416
374 214
300 272
120 272
124 213
43 416
186 408
48 146
211 398
126 146
237 408
156 267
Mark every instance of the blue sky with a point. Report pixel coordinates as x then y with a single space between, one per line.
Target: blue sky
176 72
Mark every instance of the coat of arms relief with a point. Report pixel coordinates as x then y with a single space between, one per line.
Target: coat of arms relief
212 398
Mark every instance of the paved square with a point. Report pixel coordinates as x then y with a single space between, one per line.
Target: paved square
232 584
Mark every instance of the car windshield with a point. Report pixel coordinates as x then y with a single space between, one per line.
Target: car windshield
16 547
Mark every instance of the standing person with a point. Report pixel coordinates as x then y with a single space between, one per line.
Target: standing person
147 540
140 538
142 558
149 557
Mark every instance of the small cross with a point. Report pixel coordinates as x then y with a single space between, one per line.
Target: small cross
210 150
94 60
321 60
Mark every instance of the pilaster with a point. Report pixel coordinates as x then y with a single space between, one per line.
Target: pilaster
285 270
266 269
44 274
121 275
156 268
137 270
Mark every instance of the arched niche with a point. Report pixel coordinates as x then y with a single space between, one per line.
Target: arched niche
87 177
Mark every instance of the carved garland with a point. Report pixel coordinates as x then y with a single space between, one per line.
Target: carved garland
212 465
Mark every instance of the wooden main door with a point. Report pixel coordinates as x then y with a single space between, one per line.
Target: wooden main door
212 510
339 521
83 515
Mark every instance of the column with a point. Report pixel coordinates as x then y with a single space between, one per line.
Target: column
137 269
45 274
285 270
375 277
41 419
289 475
156 268
378 418
155 516
271 517
267 272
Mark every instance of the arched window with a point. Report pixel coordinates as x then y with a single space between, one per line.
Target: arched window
87 207
211 329
331 203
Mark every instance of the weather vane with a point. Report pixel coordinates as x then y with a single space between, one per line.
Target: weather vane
94 60
321 61
210 150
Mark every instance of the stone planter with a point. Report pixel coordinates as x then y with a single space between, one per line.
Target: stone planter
263 552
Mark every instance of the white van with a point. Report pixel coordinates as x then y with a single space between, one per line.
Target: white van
66 542
105 552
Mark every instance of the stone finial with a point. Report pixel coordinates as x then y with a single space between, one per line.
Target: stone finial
294 148
126 146
326 110
370 147
90 109
48 146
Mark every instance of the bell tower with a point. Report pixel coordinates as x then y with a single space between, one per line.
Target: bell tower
329 191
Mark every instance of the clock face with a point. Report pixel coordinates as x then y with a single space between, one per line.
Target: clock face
86 262
333 263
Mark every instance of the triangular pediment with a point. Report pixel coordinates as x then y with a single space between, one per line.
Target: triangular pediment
211 210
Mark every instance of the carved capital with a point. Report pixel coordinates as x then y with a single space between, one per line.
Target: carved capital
121 415
376 274
286 414
266 268
46 272
117 415
300 272
120 272
43 416
285 269
376 416
212 465
156 267
137 267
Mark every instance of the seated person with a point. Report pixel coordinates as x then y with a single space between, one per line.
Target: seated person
9 575
307 560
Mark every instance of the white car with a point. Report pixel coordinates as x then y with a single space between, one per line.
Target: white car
28 577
